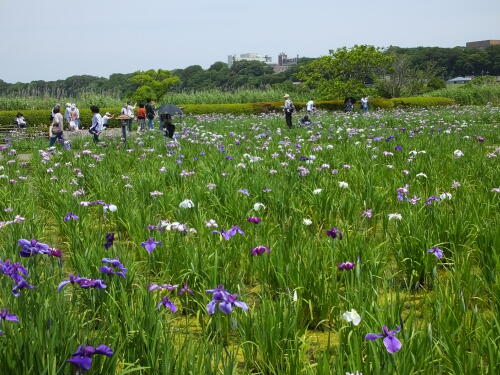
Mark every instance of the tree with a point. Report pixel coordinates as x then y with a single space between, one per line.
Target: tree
345 72
152 84
405 79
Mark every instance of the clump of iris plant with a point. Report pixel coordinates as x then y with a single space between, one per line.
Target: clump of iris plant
114 268
7 316
225 300
391 343
334 233
82 357
82 282
260 250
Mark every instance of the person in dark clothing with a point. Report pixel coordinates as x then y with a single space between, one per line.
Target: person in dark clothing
151 113
168 125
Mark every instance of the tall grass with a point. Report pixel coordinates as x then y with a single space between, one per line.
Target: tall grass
470 94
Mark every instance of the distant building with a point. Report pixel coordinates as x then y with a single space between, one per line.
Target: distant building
231 59
284 62
482 44
459 80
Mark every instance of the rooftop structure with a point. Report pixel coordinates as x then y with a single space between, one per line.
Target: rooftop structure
482 44
231 59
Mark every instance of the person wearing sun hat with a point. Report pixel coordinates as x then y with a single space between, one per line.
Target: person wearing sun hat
107 116
288 108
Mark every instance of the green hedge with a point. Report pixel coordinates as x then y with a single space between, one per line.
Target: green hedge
41 117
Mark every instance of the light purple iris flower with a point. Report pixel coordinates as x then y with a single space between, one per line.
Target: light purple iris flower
224 300
168 304
391 343
82 358
436 251
6 315
153 287
150 244
230 233
185 289
33 247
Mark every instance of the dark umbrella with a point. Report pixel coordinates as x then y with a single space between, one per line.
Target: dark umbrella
169 109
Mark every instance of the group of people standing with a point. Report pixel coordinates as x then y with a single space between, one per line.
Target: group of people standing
289 109
147 113
99 123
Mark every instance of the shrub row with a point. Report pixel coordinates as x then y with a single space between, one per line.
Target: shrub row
41 117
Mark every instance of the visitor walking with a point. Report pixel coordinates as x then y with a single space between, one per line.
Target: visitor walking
56 129
150 113
288 108
128 122
97 125
52 114
364 104
141 117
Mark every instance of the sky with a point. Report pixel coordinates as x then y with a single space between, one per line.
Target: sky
55 39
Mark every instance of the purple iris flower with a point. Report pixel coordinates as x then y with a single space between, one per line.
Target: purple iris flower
82 358
168 304
367 213
244 191
110 239
431 199
33 247
334 233
16 272
184 290
82 282
150 244
116 267
259 250
346 266
6 315
391 343
254 220
153 287
224 300
436 251
230 233
398 148
69 216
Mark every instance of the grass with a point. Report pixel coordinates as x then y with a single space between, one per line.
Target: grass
296 295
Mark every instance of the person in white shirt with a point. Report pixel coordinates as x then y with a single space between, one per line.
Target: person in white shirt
67 113
96 127
364 104
20 121
288 108
310 107
130 113
105 119
74 116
